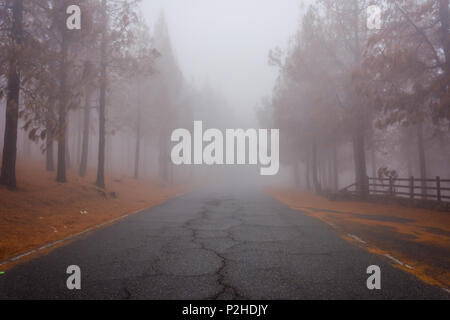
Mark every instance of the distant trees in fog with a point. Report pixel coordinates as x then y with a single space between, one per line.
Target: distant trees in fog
348 100
384 94
112 80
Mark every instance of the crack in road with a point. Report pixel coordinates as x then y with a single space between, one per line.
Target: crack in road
220 272
213 244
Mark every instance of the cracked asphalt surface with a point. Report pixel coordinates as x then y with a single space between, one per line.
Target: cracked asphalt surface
213 244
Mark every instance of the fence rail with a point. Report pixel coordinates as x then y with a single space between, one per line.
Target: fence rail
413 188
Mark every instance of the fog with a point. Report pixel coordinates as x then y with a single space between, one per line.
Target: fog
226 149
225 44
350 101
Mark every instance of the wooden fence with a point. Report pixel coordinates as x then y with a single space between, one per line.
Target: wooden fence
425 189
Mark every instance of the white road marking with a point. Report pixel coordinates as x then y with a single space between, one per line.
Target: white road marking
332 225
386 255
52 244
356 238
23 255
394 259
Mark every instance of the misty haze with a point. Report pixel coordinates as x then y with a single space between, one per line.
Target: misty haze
224 150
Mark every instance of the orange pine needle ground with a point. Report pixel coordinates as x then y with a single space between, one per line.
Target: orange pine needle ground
42 211
418 238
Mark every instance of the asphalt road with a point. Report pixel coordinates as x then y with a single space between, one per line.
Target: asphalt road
213 244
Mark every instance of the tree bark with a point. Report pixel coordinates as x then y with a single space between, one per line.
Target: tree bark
317 186
406 135
50 163
8 172
138 146
422 159
86 126
79 133
308 173
102 106
445 23
359 116
295 168
444 17
163 156
67 146
335 167
359 154
330 170
62 112
373 158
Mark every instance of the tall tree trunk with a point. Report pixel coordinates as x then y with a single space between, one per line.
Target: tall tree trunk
162 161
67 146
79 133
86 126
330 169
407 134
8 172
308 173
295 168
50 164
359 154
163 156
323 172
445 24
422 159
359 151
62 112
108 155
373 160
138 146
102 106
317 186
445 36
26 146
335 167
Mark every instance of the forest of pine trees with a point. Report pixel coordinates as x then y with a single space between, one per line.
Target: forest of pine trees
106 96
352 102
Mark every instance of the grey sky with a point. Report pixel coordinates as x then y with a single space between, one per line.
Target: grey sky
226 42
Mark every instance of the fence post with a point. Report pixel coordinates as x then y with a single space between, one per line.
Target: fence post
438 188
411 188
